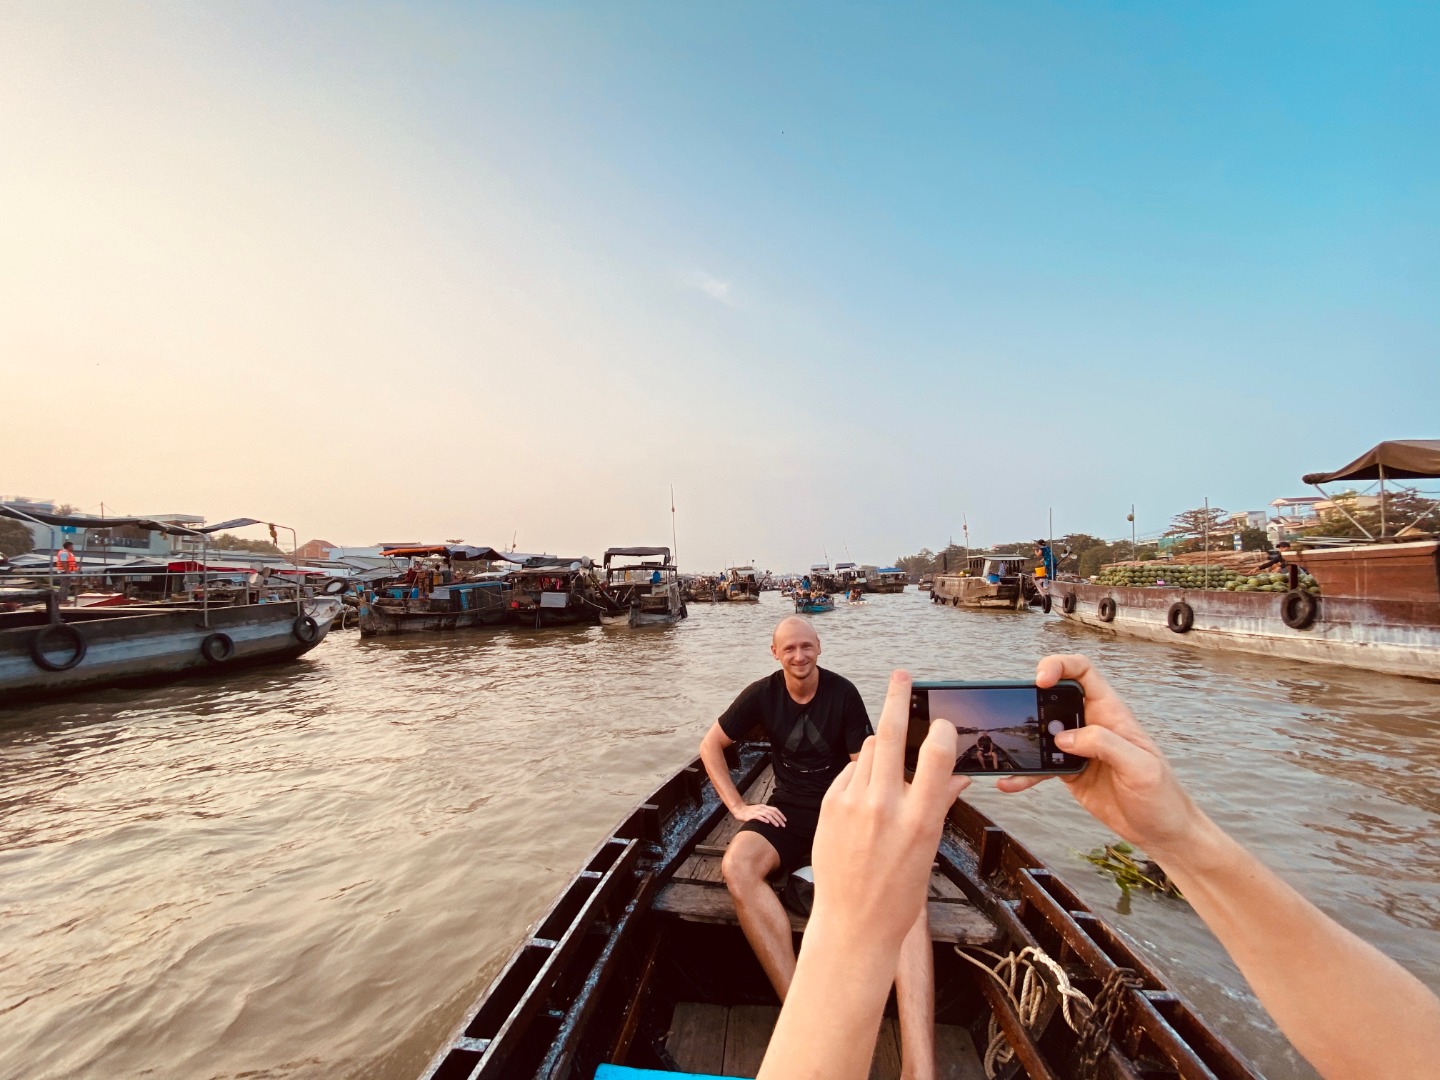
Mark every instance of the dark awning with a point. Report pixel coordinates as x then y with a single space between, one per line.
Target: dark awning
637 552
464 552
1402 459
89 521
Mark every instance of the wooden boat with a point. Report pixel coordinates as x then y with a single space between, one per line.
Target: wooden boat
641 593
640 964
814 605
61 650
701 590
562 592
887 579
989 581
1378 606
403 609
435 592
740 584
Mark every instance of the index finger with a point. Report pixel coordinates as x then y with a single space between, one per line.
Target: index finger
889 765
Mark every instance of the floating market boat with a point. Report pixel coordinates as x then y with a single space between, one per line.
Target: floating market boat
546 591
887 579
989 581
701 590
740 584
641 593
62 650
640 964
814 605
49 649
1374 603
435 594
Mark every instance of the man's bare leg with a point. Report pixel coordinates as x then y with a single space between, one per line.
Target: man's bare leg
748 861
915 1002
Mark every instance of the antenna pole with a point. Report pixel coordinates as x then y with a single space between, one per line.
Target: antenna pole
674 543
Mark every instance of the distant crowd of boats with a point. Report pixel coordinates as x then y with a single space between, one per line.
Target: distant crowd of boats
1372 603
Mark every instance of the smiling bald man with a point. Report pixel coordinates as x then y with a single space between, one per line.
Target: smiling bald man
816 723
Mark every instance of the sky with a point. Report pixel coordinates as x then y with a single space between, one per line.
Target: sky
845 276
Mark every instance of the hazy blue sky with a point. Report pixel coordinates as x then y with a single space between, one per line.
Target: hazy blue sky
840 273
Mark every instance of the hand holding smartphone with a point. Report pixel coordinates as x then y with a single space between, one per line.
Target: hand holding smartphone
1004 728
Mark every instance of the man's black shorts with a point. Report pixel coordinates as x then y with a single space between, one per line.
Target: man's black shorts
793 842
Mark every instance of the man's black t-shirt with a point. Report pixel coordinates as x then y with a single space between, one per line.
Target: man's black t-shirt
810 743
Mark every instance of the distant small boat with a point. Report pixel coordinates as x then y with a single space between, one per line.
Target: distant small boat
814 605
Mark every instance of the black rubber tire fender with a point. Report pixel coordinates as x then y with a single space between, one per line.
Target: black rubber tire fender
1046 604
1105 610
1299 609
306 629
217 648
1067 603
335 586
45 641
1180 618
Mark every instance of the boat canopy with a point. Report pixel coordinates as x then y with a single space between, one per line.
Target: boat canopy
638 552
820 568
844 566
464 552
890 570
89 521
1398 459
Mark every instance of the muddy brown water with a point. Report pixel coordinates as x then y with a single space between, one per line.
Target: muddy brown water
312 870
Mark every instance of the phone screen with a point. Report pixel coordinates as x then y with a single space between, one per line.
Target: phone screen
1002 728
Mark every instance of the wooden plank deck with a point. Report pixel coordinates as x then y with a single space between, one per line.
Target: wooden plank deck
697 890
731 1042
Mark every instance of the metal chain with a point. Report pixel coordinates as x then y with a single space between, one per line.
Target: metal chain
1098 1027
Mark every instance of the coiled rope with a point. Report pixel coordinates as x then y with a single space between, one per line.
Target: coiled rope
1022 978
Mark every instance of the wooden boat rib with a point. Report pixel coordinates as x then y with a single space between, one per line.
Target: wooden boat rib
640 963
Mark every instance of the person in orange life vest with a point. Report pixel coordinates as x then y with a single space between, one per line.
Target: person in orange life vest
65 560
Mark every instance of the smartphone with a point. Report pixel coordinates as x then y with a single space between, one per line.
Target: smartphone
1005 728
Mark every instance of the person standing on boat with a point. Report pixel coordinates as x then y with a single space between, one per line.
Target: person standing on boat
65 560
816 723
67 563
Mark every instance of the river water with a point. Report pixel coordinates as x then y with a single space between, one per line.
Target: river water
312 870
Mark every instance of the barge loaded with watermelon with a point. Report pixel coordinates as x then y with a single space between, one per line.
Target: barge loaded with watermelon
1372 603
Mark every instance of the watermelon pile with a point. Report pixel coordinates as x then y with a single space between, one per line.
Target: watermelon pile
1145 575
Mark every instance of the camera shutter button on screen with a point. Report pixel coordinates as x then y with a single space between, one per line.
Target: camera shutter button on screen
1055 727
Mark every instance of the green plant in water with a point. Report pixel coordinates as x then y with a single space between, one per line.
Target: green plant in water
1132 870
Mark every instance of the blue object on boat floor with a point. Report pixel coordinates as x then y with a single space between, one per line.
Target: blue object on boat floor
624 1072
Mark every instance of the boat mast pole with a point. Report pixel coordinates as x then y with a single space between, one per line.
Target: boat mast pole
674 543
1207 536
1382 502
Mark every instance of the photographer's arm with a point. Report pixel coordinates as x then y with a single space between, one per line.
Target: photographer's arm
1350 1010
712 756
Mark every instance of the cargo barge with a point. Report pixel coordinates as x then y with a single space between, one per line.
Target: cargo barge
1378 606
